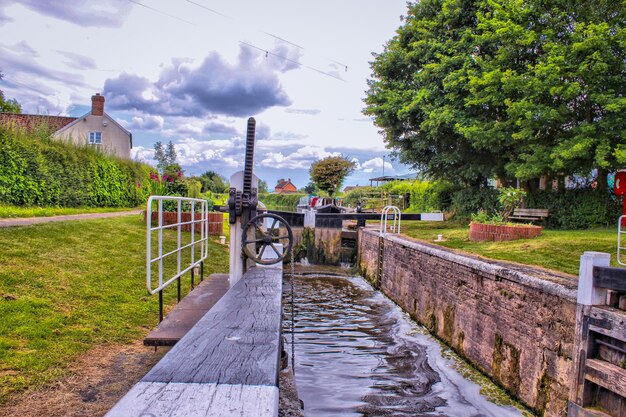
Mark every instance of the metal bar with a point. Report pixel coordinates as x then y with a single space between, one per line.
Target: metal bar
201 271
160 215
610 345
349 216
179 237
178 289
160 306
192 278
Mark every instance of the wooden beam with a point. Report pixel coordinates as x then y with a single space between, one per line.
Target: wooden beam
606 375
609 278
196 400
608 321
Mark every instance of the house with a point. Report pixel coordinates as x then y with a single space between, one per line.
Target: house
96 128
285 187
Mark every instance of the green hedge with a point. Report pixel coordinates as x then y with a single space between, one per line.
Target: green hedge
468 201
578 208
44 172
281 201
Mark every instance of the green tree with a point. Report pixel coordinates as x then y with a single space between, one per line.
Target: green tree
8 106
214 182
310 188
471 89
159 157
262 187
328 173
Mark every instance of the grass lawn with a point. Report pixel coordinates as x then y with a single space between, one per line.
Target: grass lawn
68 286
7 211
555 249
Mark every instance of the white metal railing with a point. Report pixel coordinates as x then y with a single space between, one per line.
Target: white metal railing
397 218
620 248
194 205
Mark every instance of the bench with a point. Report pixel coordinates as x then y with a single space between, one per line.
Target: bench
532 215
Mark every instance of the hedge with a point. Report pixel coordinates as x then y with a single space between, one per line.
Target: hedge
281 201
44 172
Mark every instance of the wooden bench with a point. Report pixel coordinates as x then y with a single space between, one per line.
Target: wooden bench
532 215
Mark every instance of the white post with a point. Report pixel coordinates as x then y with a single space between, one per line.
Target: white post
236 255
587 294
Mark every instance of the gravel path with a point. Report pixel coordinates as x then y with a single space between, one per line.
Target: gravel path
27 221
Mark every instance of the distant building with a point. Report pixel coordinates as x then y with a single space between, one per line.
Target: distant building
95 128
349 188
285 187
387 178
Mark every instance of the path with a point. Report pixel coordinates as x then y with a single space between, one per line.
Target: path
27 221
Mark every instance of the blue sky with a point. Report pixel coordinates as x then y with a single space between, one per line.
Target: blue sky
193 71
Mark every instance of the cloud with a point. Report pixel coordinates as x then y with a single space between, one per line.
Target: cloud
101 13
309 112
144 123
215 129
300 158
77 61
214 87
20 60
376 165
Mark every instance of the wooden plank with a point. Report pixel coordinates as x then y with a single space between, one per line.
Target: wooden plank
608 321
195 400
531 212
236 342
606 375
609 278
189 311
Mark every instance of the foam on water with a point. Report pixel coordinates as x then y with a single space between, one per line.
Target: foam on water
358 354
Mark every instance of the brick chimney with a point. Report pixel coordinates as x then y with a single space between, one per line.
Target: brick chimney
97 105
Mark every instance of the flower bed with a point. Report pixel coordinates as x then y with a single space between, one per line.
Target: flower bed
480 232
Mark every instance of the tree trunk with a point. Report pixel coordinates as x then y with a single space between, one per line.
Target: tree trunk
602 180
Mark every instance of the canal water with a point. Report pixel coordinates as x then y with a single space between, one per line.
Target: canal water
358 354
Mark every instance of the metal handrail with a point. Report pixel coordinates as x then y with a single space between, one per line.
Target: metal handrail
620 248
384 215
203 241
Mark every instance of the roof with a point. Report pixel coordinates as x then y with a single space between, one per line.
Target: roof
31 122
84 116
395 178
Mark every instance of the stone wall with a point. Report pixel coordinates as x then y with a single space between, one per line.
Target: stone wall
514 323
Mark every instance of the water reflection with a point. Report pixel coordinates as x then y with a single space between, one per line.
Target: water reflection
357 355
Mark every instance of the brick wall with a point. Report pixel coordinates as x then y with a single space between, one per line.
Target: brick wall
514 323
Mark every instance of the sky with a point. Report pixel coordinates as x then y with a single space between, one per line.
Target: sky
193 71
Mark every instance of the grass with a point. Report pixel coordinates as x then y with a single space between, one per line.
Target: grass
7 211
559 250
68 286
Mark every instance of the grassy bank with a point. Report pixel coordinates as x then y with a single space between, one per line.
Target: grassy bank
8 211
555 249
66 287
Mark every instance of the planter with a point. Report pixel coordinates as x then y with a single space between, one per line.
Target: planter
480 232
214 220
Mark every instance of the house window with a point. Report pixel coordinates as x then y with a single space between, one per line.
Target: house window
95 138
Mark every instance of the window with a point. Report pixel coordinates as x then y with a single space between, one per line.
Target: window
95 138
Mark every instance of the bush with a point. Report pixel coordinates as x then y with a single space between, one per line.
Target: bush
472 200
578 208
44 172
281 201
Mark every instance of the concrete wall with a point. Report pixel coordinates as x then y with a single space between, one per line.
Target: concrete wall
114 140
514 323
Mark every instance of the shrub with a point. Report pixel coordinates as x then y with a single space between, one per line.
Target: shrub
281 201
472 200
36 170
578 208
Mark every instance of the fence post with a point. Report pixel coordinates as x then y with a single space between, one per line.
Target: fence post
587 297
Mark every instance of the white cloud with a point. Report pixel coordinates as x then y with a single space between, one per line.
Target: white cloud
145 123
376 165
301 158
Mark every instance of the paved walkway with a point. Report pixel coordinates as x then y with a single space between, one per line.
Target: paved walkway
27 221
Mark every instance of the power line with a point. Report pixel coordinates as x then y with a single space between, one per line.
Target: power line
209 9
162 12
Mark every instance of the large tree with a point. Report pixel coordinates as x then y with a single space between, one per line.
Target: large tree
328 173
496 88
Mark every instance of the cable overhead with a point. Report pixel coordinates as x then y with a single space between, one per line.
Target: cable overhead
209 9
162 12
267 53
